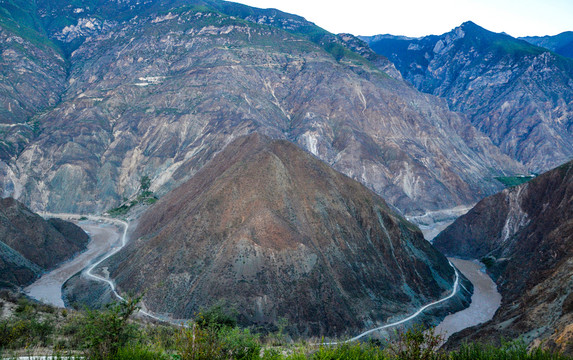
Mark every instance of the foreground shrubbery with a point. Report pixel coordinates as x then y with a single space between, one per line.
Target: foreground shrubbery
110 334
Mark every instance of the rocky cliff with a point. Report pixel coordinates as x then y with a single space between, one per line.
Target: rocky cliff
276 232
156 89
526 235
519 94
29 244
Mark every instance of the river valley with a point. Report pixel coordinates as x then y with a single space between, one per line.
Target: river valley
106 236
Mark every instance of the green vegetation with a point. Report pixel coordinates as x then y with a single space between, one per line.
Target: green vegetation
112 334
145 196
510 181
488 261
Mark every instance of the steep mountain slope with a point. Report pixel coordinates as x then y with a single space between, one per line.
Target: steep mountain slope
29 244
278 233
157 90
562 43
527 234
32 75
519 94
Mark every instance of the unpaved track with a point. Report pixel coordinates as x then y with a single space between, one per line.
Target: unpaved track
52 281
454 291
48 288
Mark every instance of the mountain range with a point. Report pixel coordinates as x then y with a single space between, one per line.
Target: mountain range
157 89
286 160
519 94
561 44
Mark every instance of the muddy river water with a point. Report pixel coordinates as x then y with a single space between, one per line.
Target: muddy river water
485 300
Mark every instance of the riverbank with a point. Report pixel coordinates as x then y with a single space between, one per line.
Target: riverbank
103 238
485 300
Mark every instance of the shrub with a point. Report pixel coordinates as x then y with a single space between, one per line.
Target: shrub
239 344
217 317
354 351
417 343
199 343
138 353
105 332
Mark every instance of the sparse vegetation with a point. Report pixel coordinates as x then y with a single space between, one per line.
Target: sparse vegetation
488 261
145 196
111 334
509 181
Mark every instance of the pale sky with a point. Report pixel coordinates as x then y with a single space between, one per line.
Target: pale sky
426 17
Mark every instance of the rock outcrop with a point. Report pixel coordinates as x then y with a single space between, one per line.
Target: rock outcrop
29 244
526 235
518 94
275 232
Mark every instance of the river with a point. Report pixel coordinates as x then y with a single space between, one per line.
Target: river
106 237
485 300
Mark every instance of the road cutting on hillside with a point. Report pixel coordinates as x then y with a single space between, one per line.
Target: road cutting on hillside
48 288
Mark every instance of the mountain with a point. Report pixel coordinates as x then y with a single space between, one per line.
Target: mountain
29 244
157 88
561 44
525 233
275 232
519 94
32 75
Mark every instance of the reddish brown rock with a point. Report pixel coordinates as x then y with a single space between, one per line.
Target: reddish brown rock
274 231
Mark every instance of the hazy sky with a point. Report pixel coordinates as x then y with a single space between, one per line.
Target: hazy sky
425 17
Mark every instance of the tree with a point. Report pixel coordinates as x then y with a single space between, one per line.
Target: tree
144 183
105 332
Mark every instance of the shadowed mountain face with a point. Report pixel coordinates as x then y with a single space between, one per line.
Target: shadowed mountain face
157 89
29 244
276 232
527 234
519 94
562 43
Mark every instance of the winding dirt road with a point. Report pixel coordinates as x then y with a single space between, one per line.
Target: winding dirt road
44 289
417 313
107 241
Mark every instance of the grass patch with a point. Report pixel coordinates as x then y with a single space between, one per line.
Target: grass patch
510 181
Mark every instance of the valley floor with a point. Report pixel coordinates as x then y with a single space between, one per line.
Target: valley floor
107 236
48 288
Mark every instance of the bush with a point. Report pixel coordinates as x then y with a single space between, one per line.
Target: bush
354 351
418 343
199 343
138 353
239 344
105 332
217 316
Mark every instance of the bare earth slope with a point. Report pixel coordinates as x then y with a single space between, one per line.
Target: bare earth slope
527 231
278 233
29 244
